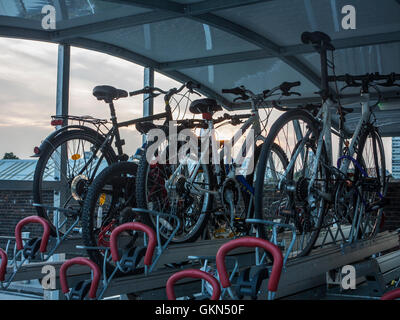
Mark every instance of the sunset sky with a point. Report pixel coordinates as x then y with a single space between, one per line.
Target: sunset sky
28 91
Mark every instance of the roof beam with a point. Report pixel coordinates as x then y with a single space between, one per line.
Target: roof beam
153 4
113 24
163 10
214 5
190 8
24 33
353 42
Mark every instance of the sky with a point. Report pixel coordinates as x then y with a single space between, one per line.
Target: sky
28 71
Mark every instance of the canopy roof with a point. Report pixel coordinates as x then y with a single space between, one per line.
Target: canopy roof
226 43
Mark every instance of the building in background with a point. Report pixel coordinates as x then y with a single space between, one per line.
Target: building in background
396 157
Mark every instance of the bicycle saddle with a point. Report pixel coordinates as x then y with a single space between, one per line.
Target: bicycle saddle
204 106
108 93
318 39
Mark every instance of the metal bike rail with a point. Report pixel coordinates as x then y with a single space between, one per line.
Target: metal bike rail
301 274
309 272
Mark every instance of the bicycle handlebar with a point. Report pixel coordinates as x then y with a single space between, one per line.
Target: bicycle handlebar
28 220
137 226
155 91
366 79
246 94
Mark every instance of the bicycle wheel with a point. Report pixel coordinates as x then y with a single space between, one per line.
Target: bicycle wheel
284 195
80 168
108 204
373 186
159 187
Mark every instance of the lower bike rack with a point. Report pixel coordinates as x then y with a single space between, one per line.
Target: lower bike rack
247 284
154 248
194 274
251 242
26 252
225 281
94 283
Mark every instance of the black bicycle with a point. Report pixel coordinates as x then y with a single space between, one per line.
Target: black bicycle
87 144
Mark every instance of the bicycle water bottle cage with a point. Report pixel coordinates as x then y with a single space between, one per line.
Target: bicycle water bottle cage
250 280
31 248
318 39
80 291
131 258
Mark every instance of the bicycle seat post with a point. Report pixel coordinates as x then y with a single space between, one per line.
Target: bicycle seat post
118 142
322 43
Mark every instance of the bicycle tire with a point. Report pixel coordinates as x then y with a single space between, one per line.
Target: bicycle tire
311 124
143 202
109 176
52 146
378 154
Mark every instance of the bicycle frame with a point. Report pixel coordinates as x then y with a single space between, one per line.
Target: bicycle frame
252 123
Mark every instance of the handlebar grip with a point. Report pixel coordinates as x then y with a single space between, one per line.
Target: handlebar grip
3 265
137 226
193 85
29 220
236 91
286 86
146 90
251 242
195 274
84 262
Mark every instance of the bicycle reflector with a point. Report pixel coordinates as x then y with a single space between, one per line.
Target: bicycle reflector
36 150
57 122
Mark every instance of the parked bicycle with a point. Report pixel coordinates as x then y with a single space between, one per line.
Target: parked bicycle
87 147
197 190
327 203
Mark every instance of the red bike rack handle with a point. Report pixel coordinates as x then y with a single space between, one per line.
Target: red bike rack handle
250 242
195 274
3 264
29 220
84 262
137 226
391 295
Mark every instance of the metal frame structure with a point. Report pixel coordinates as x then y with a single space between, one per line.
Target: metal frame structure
199 11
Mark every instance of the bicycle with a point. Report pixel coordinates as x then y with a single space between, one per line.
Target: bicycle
188 189
111 196
346 201
87 146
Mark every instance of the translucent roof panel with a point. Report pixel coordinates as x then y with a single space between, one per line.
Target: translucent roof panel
70 13
256 75
283 21
175 39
